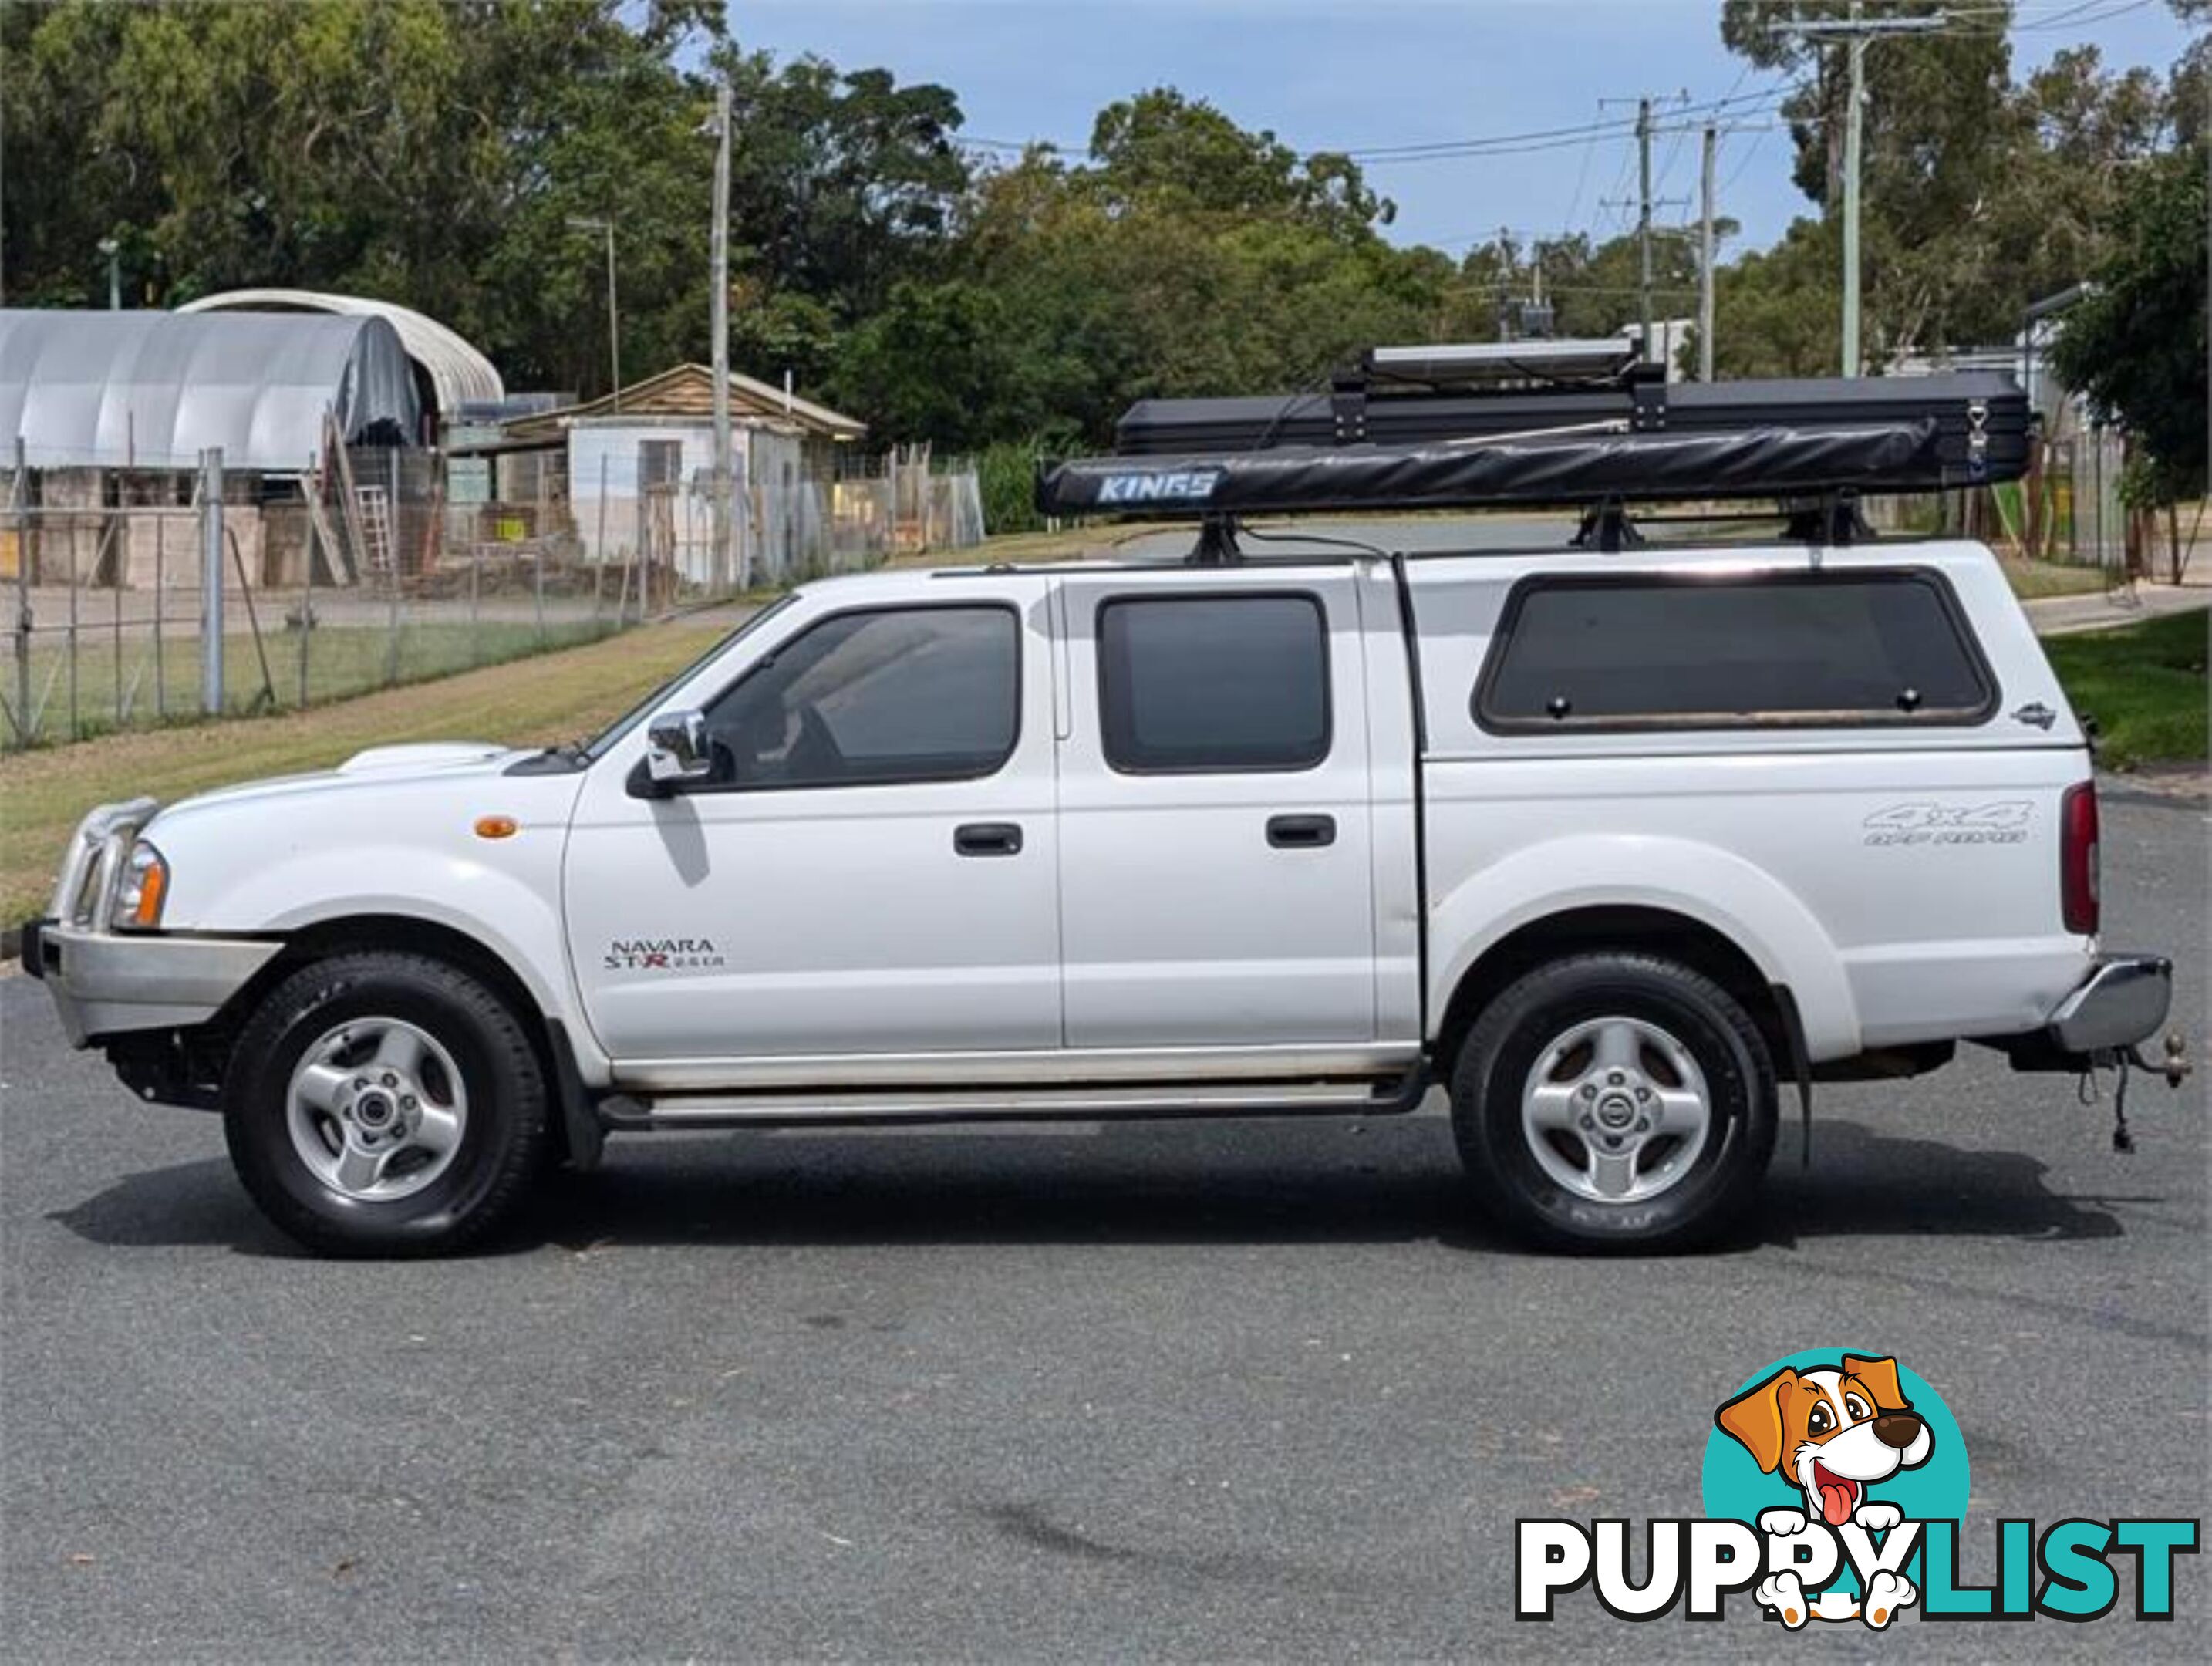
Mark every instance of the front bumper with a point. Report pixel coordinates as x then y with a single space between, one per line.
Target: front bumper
107 982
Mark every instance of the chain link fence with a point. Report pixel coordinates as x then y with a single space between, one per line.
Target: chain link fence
141 597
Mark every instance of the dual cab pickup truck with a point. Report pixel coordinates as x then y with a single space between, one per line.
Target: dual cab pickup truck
1606 845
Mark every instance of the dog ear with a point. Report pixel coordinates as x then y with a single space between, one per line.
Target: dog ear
1755 1418
1880 1376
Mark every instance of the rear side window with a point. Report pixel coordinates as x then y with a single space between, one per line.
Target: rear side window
1213 683
1793 649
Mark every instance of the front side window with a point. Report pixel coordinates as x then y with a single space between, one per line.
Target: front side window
1213 683
868 698
1793 649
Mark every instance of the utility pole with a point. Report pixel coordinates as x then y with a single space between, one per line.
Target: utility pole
1504 283
719 262
588 222
1855 31
1643 221
1706 257
1854 140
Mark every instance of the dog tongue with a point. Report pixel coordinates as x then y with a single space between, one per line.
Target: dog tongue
1836 1503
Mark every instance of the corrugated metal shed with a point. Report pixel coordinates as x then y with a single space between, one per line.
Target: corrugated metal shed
458 372
152 390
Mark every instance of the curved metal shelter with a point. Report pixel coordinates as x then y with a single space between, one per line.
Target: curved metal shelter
458 373
152 390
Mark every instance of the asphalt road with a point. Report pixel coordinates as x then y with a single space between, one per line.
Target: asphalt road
1253 1391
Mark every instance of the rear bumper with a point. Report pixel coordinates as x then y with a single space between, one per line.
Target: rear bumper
2122 1001
107 983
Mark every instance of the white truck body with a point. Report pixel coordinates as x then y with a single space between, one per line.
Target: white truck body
1141 940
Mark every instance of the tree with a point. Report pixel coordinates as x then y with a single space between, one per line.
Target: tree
1182 153
421 151
1979 194
1184 256
842 185
938 360
2135 346
1775 311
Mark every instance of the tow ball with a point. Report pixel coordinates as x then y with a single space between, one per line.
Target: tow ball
2175 1067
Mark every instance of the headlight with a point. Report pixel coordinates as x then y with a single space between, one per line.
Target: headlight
145 886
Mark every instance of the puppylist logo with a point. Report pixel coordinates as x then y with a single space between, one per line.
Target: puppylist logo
1835 1492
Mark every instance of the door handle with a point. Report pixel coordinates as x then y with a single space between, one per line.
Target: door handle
1301 832
987 839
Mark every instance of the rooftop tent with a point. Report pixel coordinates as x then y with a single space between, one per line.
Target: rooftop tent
153 390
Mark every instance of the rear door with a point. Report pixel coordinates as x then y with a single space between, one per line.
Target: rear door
1216 846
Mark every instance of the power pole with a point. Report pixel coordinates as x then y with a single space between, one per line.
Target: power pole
1855 31
1705 258
599 226
718 264
1504 283
1854 140
1643 221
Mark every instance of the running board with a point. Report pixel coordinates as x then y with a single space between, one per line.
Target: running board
624 1112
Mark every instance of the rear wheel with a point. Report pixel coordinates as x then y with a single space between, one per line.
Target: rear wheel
386 1103
1615 1101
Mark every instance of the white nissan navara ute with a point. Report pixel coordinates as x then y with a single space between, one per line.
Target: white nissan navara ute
1604 850
1605 842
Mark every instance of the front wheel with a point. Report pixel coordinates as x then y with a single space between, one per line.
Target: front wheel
1615 1101
384 1104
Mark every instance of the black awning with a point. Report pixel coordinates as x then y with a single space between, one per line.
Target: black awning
1561 468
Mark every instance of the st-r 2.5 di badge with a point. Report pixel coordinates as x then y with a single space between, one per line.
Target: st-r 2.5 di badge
1835 1488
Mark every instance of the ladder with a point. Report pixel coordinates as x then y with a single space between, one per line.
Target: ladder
373 504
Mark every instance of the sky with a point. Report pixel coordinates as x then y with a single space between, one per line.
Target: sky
1378 74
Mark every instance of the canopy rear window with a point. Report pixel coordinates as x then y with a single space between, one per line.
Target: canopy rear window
1798 649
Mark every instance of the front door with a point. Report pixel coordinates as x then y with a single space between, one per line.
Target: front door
870 870
1216 884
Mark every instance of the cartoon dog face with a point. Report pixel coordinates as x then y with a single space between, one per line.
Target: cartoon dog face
1834 1433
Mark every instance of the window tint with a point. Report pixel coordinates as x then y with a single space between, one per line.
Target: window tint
1654 653
1213 683
907 694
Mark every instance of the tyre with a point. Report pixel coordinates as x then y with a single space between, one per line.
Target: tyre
1614 1101
385 1105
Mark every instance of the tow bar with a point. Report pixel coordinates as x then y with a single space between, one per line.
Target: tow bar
2175 1068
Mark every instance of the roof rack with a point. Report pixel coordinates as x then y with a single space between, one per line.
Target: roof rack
1552 424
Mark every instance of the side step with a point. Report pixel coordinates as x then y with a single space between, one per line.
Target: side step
624 1112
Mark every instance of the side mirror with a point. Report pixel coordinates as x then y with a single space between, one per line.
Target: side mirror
676 748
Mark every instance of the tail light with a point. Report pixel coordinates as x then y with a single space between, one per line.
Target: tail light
2077 859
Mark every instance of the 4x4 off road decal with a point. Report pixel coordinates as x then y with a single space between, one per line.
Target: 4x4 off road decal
2002 822
661 954
1835 1490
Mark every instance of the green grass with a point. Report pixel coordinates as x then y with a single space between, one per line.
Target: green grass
132 690
2145 685
2031 581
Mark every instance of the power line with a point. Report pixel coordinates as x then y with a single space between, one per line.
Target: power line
1520 143
1582 174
